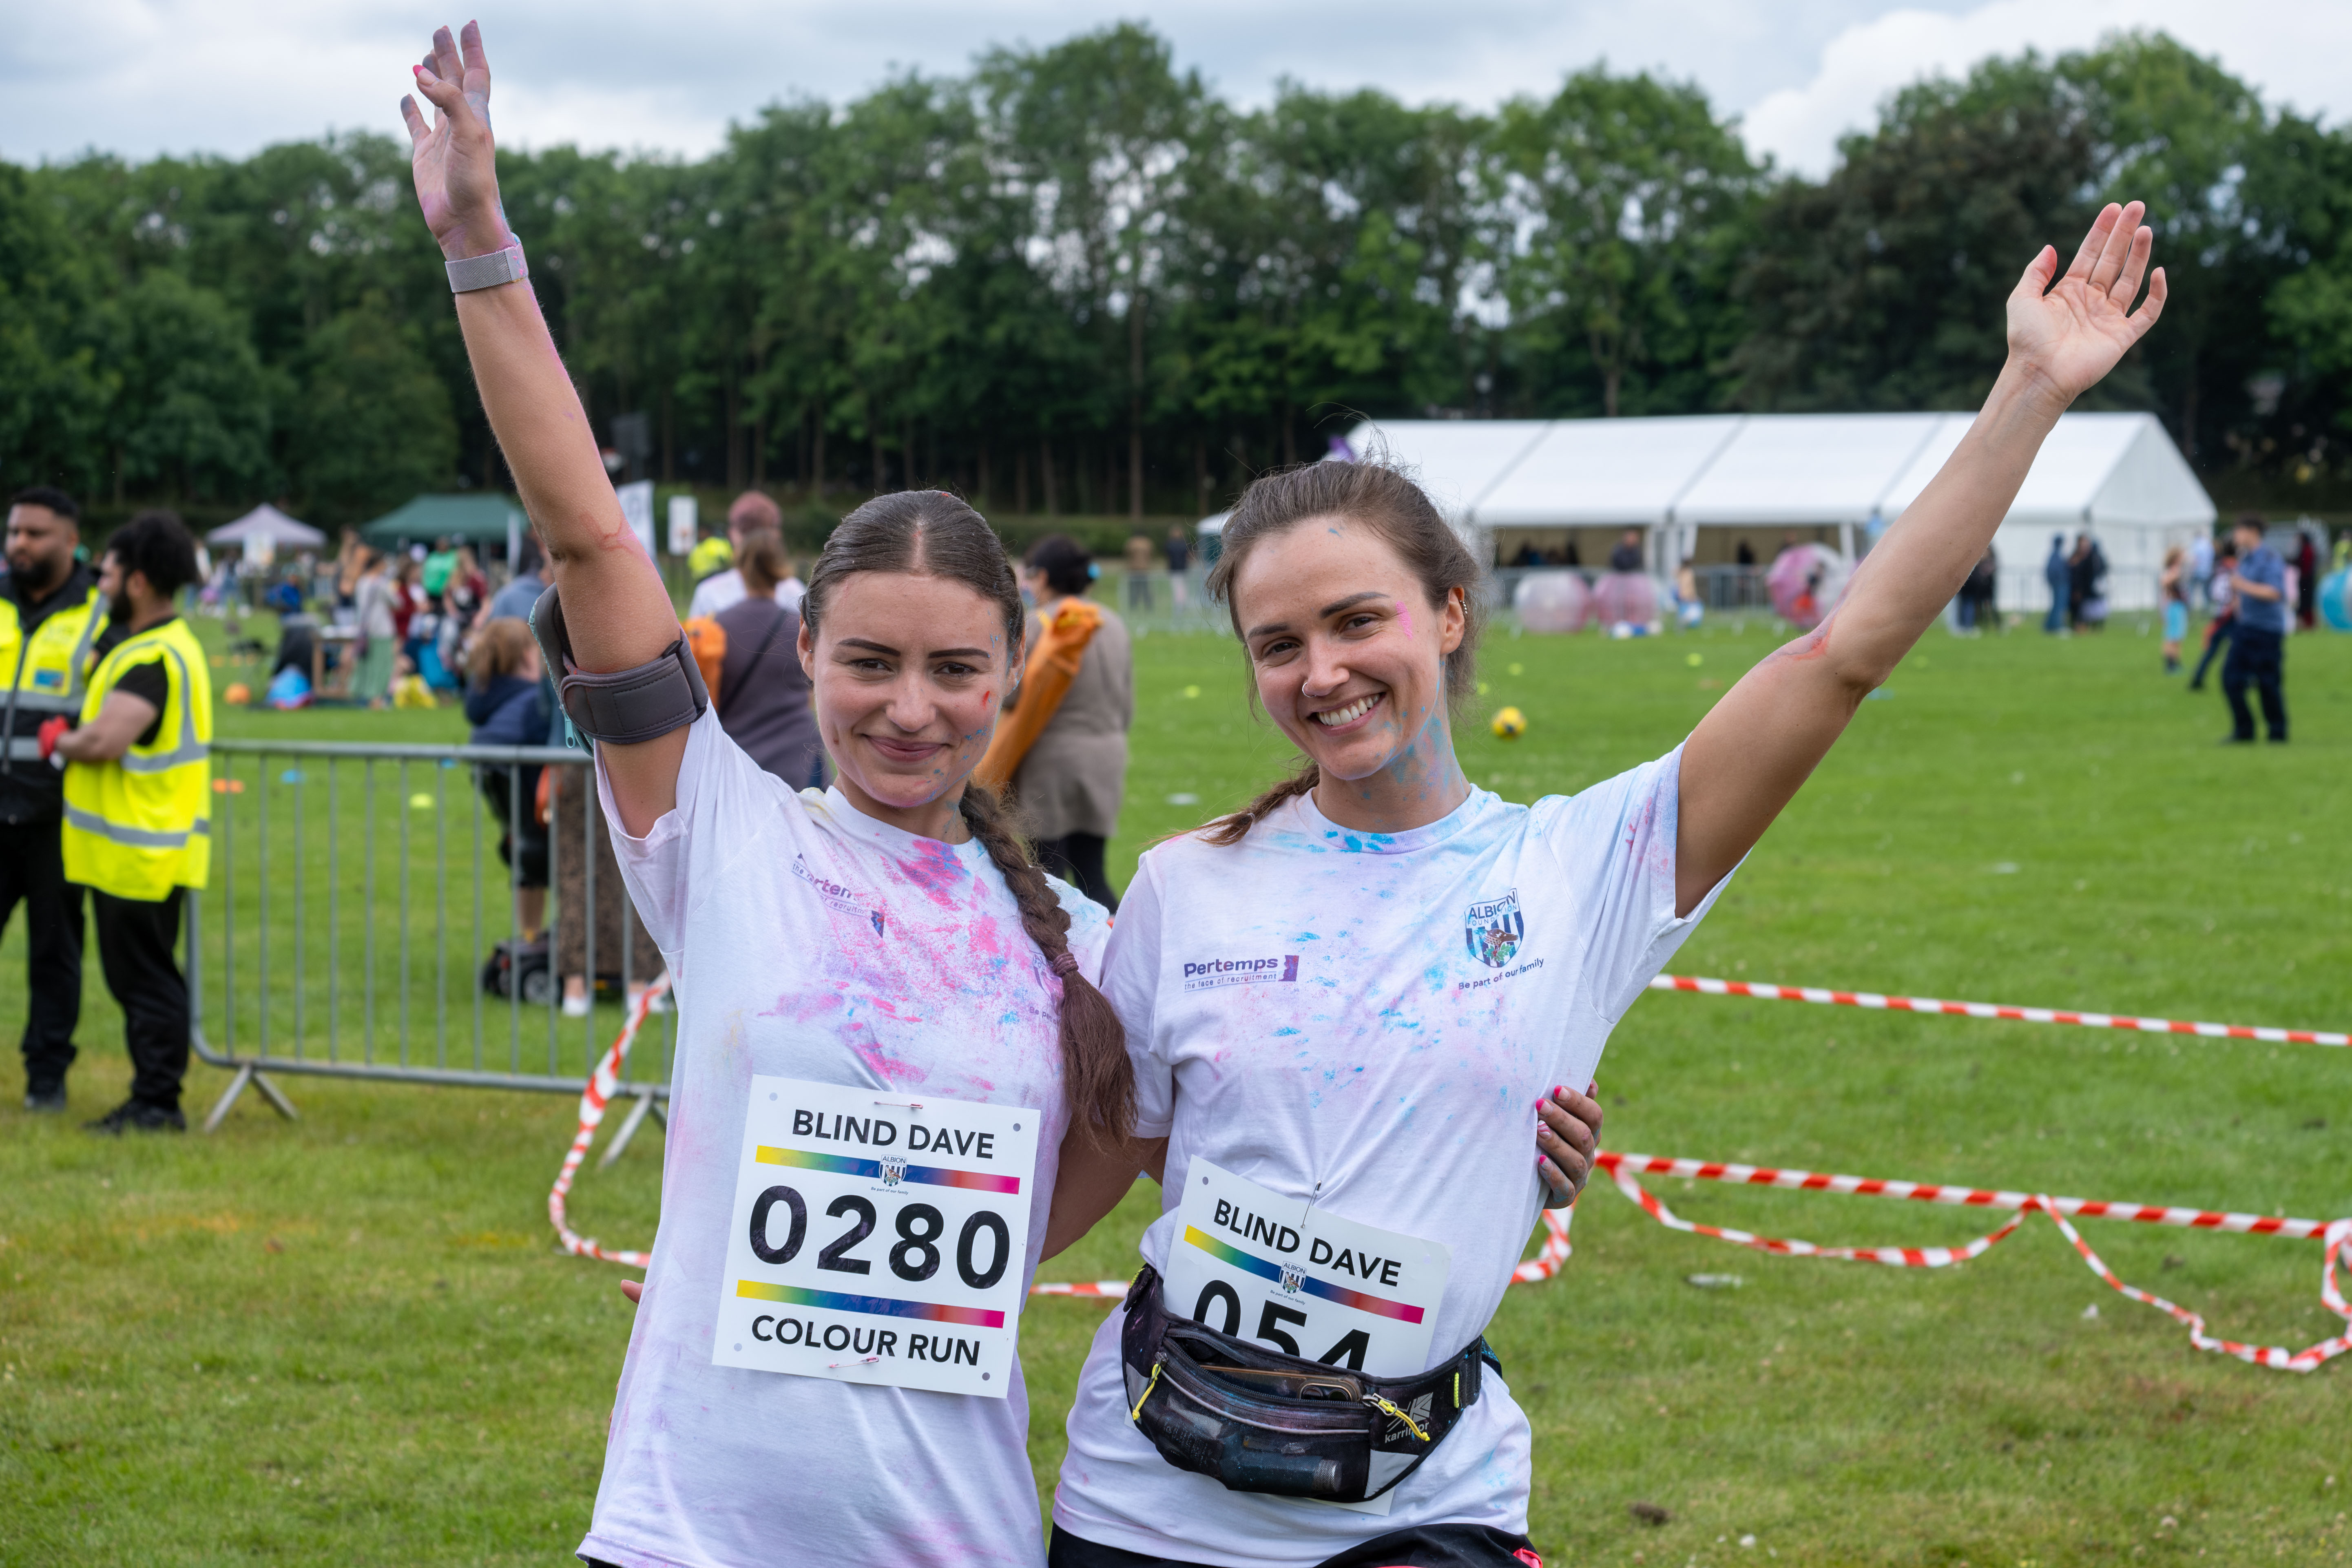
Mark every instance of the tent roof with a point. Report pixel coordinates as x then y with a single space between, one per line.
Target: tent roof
1588 472
480 518
1457 461
1806 468
1775 469
2110 469
266 521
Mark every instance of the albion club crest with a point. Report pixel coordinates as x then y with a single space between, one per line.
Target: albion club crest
1494 929
894 1169
1293 1277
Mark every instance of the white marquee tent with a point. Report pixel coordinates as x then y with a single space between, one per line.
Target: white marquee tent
1701 485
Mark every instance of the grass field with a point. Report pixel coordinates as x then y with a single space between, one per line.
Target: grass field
348 1340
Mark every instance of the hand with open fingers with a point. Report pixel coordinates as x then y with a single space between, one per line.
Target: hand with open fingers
2071 332
454 160
1567 1137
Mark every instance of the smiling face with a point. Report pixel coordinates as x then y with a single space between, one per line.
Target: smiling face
1350 657
907 674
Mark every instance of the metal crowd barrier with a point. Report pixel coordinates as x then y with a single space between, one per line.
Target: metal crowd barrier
354 899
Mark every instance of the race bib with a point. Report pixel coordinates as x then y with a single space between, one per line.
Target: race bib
878 1239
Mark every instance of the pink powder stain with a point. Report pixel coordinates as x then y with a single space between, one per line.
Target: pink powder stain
935 870
890 1069
1405 617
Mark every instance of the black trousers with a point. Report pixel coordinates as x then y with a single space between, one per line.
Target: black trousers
33 872
1077 860
2218 632
136 943
2256 657
1426 1546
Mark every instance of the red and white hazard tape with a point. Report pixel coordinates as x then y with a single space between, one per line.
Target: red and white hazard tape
1872 1000
1624 1169
602 1085
2335 1236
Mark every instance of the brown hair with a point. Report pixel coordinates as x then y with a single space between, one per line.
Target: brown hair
500 650
932 533
1385 501
762 562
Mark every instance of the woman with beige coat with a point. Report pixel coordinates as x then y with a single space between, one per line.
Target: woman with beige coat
1070 784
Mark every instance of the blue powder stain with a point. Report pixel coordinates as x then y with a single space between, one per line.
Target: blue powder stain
1285 1029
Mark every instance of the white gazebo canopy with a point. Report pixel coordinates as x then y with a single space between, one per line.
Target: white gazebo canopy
266 521
1828 475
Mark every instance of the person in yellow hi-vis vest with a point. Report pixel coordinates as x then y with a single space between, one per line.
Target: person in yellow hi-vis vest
51 611
138 793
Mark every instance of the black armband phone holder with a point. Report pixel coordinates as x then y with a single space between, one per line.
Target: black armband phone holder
629 706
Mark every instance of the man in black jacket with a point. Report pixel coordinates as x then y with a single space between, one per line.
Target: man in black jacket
50 613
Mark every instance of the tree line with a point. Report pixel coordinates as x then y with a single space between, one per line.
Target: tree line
1074 280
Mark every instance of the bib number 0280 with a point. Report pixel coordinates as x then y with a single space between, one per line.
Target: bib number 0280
983 1247
878 1239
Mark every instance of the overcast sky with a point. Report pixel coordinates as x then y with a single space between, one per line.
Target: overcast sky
142 76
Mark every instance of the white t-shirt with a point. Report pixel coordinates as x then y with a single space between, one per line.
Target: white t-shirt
725 590
1432 986
809 940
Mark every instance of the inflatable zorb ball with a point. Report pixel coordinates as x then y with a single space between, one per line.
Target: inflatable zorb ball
1625 599
2336 600
1552 602
1806 582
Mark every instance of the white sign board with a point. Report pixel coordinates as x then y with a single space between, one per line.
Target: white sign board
878 1239
685 522
1248 1261
637 508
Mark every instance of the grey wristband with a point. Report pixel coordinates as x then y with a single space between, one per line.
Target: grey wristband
488 271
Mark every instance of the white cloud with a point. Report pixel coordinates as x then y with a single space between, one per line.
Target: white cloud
2293 52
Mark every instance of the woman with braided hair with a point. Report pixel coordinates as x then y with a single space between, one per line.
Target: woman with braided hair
887 941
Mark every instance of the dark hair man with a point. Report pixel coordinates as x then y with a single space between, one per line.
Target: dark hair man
138 782
2258 643
49 612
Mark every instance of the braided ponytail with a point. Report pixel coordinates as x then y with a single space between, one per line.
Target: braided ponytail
1228 831
932 533
1096 1078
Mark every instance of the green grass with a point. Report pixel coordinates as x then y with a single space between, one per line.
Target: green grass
348 1340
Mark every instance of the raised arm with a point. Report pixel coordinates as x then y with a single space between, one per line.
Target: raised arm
1751 753
615 608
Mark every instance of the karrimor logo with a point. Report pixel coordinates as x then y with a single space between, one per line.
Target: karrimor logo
1241 972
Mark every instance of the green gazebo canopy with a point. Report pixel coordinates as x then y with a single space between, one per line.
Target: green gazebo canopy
478 518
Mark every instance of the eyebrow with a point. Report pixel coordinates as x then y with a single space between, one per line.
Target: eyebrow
972 653
1333 608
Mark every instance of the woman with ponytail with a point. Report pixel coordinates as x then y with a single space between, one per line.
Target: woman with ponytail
888 939
1348 1003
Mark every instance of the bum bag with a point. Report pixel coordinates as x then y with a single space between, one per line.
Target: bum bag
1259 1421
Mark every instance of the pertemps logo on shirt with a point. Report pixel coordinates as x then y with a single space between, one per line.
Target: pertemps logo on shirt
1241 972
846 900
1495 929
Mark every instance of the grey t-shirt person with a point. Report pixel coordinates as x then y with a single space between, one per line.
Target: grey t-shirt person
763 695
